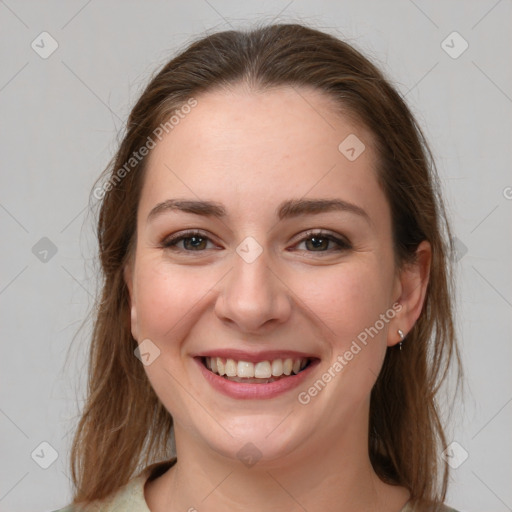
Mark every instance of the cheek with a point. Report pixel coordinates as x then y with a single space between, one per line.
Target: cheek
347 298
167 299
349 302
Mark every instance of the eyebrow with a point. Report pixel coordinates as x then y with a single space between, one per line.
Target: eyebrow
287 209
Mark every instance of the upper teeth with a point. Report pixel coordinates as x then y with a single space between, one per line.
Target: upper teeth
261 370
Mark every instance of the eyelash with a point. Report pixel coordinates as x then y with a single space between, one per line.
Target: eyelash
172 242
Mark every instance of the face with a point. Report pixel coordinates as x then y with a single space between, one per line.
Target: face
261 246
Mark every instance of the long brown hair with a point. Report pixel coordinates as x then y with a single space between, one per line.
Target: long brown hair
124 426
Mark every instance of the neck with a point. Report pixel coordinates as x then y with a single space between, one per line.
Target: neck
317 476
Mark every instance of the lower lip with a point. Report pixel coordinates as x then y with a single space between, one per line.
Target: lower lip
241 390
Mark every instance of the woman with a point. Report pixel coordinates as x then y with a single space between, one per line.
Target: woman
277 293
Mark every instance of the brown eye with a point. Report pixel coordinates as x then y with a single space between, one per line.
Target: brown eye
323 242
317 243
194 243
187 242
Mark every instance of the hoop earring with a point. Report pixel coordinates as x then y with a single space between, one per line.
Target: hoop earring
402 337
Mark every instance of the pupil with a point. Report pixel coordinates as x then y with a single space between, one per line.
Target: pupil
194 241
318 243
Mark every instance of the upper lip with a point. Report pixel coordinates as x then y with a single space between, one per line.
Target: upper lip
255 357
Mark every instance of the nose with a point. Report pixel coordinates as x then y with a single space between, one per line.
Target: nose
252 297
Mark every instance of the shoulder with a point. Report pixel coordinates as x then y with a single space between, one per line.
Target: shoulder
129 498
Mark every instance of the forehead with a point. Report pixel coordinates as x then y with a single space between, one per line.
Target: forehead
285 121
252 147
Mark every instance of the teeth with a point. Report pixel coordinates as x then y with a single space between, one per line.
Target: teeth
260 370
220 366
245 369
230 368
277 367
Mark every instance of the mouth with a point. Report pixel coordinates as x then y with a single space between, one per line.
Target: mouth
242 375
261 372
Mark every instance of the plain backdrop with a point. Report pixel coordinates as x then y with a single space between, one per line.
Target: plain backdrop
60 118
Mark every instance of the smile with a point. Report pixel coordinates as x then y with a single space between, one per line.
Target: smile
262 372
242 375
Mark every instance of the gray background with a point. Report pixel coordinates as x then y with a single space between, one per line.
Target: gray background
59 125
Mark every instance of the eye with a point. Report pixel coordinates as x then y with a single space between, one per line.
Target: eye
314 241
188 241
320 241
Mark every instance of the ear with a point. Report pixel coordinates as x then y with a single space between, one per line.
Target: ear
411 289
128 279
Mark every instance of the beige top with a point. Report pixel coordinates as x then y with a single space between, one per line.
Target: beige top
130 497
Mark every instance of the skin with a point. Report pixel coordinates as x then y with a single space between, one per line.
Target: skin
250 151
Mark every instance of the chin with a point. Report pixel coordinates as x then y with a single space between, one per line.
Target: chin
259 439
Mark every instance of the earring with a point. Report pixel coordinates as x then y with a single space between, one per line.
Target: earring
402 337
